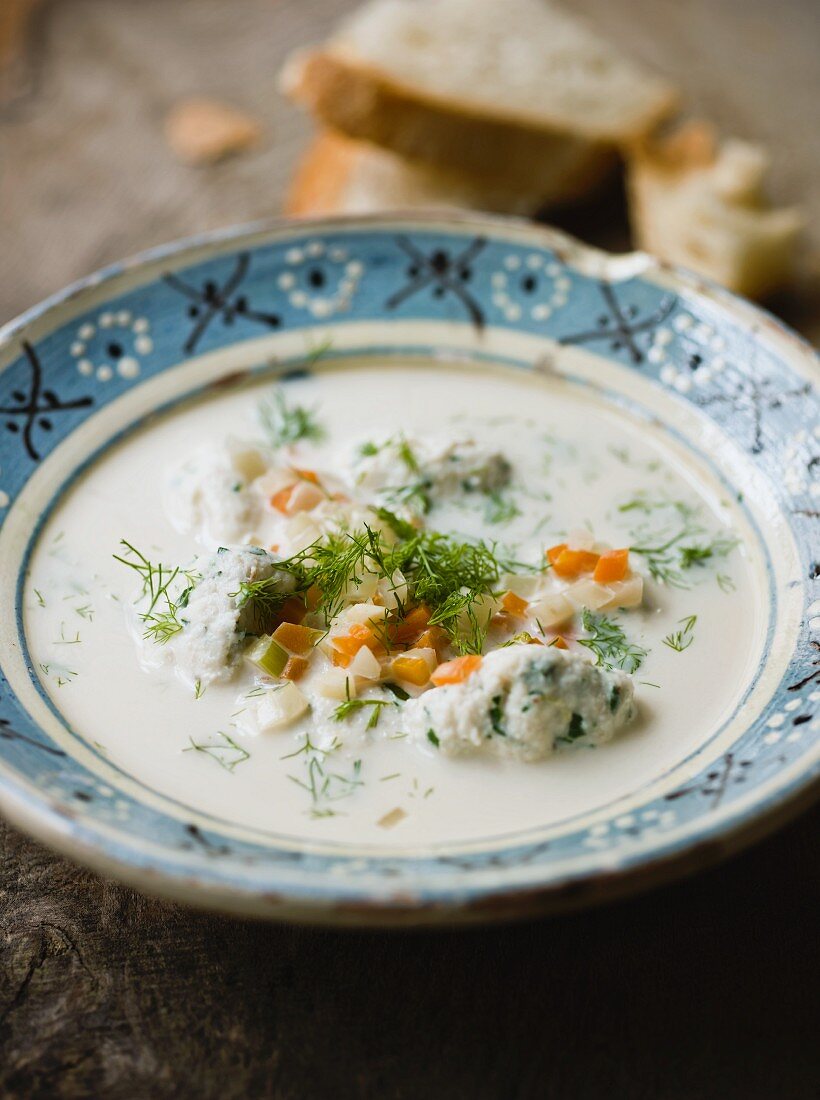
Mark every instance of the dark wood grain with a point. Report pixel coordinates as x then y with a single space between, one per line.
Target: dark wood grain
704 989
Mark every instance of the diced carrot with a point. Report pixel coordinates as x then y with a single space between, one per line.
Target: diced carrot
294 638
514 605
414 670
570 563
295 668
313 597
356 637
559 643
274 548
340 660
352 642
432 638
307 475
292 610
456 671
279 500
555 552
612 566
412 624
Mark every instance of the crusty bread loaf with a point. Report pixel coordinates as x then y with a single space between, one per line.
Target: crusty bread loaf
700 203
340 176
515 90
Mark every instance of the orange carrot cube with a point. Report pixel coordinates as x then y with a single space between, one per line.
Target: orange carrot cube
432 638
612 566
559 643
456 671
294 638
414 670
352 642
555 552
295 668
569 563
279 500
514 605
307 475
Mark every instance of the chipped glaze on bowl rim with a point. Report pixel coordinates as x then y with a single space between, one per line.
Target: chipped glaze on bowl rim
448 282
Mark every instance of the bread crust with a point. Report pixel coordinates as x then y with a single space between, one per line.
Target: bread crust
361 103
318 186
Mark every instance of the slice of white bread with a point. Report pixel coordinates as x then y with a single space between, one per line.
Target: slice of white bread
340 176
699 203
515 90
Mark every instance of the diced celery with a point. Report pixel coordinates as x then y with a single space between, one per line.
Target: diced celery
267 655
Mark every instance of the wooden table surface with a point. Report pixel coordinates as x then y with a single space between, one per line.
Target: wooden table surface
703 989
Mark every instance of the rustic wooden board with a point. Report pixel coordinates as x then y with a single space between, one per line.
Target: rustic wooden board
705 989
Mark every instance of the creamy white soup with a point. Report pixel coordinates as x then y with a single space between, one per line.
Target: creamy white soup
403 605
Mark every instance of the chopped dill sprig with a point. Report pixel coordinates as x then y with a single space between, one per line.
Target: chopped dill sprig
678 544
322 784
62 640
284 423
161 617
199 690
446 574
40 598
226 753
725 583
351 706
683 638
85 612
609 644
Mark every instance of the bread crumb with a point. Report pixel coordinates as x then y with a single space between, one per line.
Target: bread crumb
204 131
392 818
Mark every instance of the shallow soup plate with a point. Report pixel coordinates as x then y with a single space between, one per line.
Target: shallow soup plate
623 370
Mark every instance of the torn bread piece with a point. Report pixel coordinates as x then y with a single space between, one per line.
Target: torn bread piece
700 203
520 91
340 176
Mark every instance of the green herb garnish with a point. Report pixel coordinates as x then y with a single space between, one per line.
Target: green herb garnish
284 423
225 752
609 644
161 618
683 638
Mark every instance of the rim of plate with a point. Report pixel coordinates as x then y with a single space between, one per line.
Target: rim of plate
717 836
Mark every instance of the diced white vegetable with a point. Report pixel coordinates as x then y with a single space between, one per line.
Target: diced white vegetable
365 664
482 608
336 683
363 590
393 591
580 538
301 531
626 593
279 707
523 586
588 593
551 609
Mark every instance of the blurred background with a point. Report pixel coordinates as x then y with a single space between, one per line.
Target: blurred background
87 87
